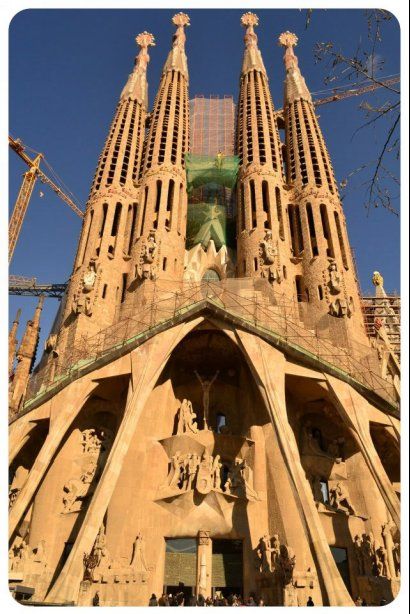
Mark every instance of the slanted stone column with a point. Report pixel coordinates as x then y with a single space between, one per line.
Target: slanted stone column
261 356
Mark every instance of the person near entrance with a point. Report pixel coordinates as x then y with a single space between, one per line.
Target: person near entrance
310 601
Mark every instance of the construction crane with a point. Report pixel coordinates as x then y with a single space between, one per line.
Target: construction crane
26 190
24 286
356 92
341 95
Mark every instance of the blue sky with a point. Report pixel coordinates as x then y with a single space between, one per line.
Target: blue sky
67 69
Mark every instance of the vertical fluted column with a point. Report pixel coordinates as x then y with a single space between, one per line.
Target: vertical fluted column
161 225
316 221
25 359
100 277
262 242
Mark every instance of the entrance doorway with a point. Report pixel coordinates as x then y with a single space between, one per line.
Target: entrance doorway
342 563
227 567
180 567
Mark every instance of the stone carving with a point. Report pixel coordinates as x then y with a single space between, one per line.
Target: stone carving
206 387
82 300
186 418
99 566
19 479
316 485
191 471
264 552
340 500
396 558
312 443
338 304
23 558
138 561
95 443
373 559
203 538
360 555
286 564
147 267
276 558
268 260
389 547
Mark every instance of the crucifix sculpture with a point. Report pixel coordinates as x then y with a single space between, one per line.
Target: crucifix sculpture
206 386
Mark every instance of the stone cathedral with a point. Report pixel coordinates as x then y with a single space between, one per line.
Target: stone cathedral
209 414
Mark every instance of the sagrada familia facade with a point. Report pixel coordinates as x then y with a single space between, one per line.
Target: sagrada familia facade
208 414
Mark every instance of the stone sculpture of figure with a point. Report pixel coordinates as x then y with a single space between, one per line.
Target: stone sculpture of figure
186 418
149 250
381 562
138 562
264 552
275 551
39 553
77 488
389 546
360 558
317 489
396 558
339 499
369 553
192 468
334 278
268 256
286 563
206 387
216 472
176 469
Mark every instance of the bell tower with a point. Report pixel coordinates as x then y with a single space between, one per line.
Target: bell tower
98 282
160 246
319 243
262 242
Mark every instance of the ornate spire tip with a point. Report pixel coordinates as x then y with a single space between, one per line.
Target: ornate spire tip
249 19
145 39
377 279
288 39
180 19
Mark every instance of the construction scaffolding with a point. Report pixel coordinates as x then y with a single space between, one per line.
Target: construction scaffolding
212 123
383 311
252 303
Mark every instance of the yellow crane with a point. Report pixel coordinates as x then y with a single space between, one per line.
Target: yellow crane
29 179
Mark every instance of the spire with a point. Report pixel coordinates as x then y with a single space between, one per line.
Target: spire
13 340
295 85
25 359
252 58
176 59
136 87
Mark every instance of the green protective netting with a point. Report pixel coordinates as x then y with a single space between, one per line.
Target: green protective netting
219 169
208 221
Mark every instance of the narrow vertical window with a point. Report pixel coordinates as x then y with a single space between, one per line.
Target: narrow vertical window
279 213
116 220
266 204
144 210
255 264
170 202
341 241
158 198
253 202
164 264
132 229
243 219
299 288
326 231
85 245
104 217
299 233
312 230
104 292
123 287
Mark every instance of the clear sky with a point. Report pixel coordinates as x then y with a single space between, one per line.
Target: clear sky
67 69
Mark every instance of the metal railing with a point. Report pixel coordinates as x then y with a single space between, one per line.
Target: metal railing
326 338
